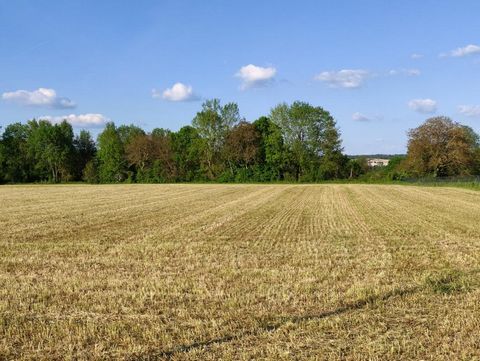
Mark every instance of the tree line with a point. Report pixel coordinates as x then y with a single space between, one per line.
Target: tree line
296 143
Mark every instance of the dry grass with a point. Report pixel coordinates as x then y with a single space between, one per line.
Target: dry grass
239 272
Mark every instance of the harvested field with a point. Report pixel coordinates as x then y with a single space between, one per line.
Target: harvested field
347 272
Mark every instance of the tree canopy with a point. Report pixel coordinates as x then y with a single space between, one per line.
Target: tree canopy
442 147
296 142
312 139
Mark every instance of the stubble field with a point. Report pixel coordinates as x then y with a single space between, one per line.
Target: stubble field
347 272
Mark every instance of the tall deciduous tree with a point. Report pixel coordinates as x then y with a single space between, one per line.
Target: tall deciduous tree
141 152
242 145
85 150
212 123
442 147
187 147
312 139
51 147
272 154
111 156
152 156
14 159
164 167
332 161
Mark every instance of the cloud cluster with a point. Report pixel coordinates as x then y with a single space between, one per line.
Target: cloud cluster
254 76
346 78
469 110
463 51
424 106
42 97
251 76
90 120
179 92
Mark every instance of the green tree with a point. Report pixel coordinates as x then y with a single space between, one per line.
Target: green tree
213 123
332 162
474 140
51 148
127 133
111 156
15 162
272 153
395 170
357 167
312 140
85 150
187 148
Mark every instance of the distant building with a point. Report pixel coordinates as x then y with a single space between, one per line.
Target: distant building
377 162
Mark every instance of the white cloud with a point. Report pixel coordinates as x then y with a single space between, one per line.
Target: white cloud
461 52
416 56
408 72
346 78
359 117
179 92
42 97
80 120
252 75
424 106
469 110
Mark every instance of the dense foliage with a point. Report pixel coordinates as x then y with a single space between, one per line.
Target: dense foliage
295 143
441 147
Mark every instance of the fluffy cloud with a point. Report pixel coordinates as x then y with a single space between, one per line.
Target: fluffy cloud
346 78
469 110
179 92
359 117
466 50
80 120
42 97
424 106
252 75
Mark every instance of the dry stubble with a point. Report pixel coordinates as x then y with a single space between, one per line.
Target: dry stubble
239 272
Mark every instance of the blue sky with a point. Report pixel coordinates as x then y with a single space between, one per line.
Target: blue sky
380 67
